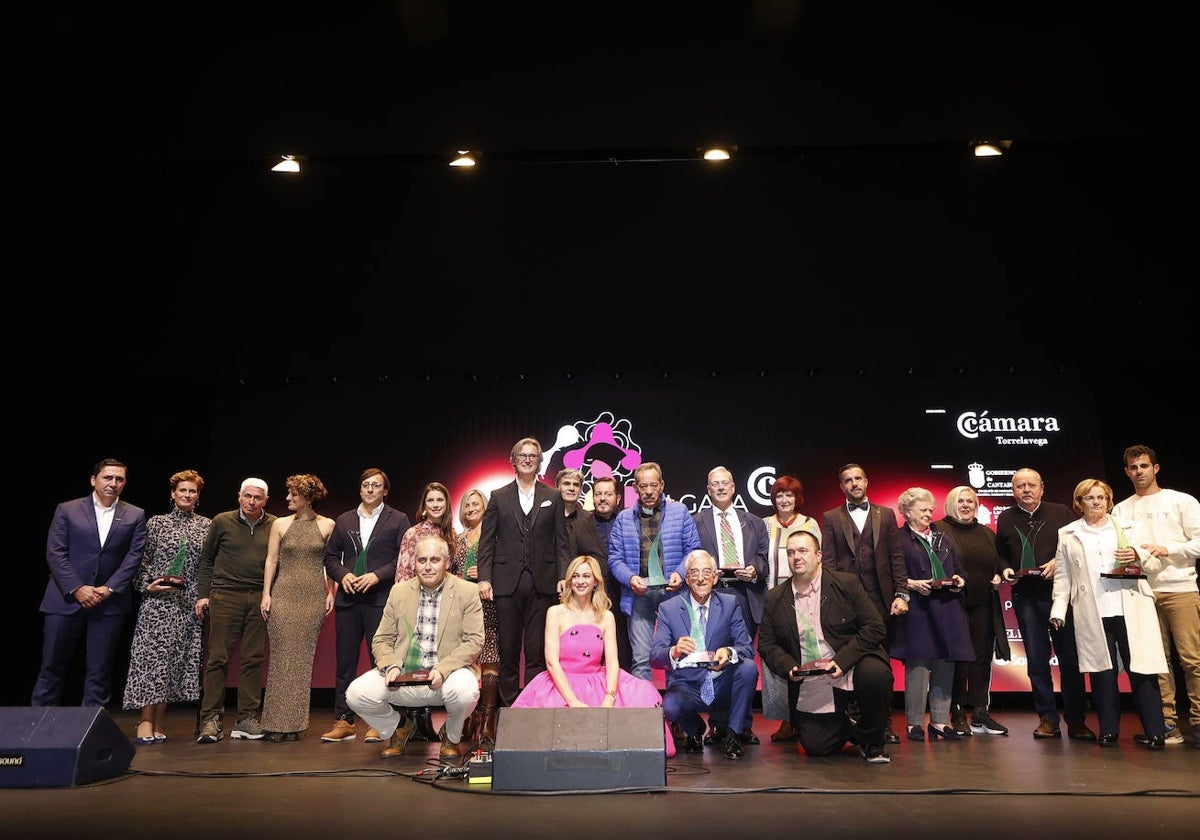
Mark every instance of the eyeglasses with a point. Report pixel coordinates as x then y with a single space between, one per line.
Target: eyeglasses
701 574
527 456
371 485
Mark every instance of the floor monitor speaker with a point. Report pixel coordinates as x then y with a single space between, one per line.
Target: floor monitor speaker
579 749
60 746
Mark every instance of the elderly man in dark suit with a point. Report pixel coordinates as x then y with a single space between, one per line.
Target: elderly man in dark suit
862 538
522 560
360 558
93 550
824 620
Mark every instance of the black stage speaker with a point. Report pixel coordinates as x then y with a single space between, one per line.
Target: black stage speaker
579 749
60 746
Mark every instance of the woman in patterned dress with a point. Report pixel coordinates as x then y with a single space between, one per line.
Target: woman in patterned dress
164 660
787 495
482 724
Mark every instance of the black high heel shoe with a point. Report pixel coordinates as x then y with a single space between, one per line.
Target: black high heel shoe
946 732
916 733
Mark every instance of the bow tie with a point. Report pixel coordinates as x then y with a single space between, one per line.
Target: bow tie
859 505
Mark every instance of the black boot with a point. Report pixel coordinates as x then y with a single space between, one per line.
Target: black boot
424 730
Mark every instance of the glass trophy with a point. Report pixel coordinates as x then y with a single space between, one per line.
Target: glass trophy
174 575
814 665
1029 565
937 571
1128 570
413 673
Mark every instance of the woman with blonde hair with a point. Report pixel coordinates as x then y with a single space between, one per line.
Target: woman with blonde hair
581 653
1114 615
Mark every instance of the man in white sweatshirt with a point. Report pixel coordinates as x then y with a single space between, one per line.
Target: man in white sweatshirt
1166 530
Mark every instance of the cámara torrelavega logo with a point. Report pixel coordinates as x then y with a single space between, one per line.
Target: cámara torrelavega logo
1007 430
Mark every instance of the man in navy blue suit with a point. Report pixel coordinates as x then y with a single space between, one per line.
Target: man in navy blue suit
696 628
93 550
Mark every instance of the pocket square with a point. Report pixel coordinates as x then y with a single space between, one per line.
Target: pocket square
545 503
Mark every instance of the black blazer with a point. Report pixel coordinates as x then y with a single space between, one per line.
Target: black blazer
850 623
341 553
504 549
837 547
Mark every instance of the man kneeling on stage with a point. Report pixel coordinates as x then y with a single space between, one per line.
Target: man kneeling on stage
822 632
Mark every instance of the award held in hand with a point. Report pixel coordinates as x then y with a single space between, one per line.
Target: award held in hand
814 665
937 571
1029 566
413 673
174 575
1128 570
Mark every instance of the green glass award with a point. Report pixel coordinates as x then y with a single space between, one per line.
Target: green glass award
1129 569
813 665
654 565
174 575
937 570
413 673
1028 564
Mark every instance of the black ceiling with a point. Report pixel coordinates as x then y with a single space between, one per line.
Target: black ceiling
133 114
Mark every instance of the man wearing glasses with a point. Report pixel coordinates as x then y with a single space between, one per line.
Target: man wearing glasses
360 558
702 642
522 560
646 549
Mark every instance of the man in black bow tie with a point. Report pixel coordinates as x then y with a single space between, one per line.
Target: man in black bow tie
862 538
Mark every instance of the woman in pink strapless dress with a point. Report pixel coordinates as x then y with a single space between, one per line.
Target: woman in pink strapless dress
581 653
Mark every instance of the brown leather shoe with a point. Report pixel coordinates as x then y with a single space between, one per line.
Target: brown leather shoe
1047 729
372 737
784 733
342 731
1080 732
395 747
448 751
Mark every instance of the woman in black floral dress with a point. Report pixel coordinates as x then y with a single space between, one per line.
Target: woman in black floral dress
164 660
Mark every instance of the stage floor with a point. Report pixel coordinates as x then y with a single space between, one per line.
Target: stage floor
984 785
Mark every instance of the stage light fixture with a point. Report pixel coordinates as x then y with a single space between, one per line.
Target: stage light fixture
718 152
990 148
287 164
464 158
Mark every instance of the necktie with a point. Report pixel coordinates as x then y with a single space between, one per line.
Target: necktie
729 558
707 693
859 505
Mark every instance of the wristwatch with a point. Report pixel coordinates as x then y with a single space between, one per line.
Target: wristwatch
903 595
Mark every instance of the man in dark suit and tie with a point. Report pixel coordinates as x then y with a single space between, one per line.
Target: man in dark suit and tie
862 538
740 542
360 558
522 560
699 622
823 615
93 550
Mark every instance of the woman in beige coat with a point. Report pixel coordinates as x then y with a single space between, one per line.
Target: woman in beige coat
1113 614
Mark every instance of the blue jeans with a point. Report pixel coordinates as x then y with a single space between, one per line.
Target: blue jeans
1033 617
641 628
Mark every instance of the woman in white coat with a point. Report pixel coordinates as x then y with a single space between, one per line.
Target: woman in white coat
1113 615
